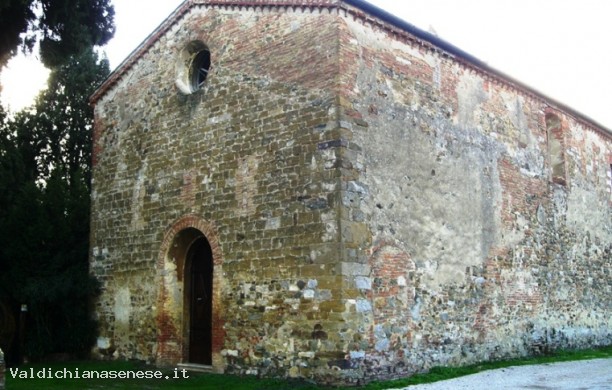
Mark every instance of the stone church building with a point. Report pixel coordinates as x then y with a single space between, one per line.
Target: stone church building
317 189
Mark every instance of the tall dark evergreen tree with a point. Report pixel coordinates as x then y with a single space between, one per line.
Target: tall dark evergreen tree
62 27
45 165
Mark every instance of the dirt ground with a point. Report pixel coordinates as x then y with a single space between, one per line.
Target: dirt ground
579 375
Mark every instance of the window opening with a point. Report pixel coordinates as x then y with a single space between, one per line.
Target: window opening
192 67
199 69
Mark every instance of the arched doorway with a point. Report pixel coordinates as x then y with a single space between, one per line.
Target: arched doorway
198 301
189 312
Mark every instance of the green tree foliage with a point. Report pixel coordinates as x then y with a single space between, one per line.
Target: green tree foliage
63 27
45 170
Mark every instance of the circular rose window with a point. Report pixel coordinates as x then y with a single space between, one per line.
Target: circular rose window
193 67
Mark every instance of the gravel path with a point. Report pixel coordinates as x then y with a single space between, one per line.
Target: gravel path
579 375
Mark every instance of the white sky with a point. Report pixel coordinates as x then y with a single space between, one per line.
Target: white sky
561 48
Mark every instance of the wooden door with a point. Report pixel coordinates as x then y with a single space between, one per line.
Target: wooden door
200 305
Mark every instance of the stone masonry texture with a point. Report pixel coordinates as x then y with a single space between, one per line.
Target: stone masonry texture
375 205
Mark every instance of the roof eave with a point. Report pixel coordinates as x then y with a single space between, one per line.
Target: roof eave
467 58
131 59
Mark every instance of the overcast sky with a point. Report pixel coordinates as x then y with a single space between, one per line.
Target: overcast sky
559 47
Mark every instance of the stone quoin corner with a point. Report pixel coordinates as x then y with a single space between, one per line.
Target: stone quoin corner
317 189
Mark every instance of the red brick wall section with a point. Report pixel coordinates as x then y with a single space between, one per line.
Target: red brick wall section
391 297
168 337
521 195
391 267
189 188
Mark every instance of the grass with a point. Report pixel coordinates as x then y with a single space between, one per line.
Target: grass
168 378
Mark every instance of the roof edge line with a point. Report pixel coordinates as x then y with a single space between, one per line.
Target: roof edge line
474 62
134 55
437 43
177 14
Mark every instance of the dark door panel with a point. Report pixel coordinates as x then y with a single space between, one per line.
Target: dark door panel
201 278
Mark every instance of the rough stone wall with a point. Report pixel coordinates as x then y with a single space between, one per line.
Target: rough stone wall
374 207
483 241
250 163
